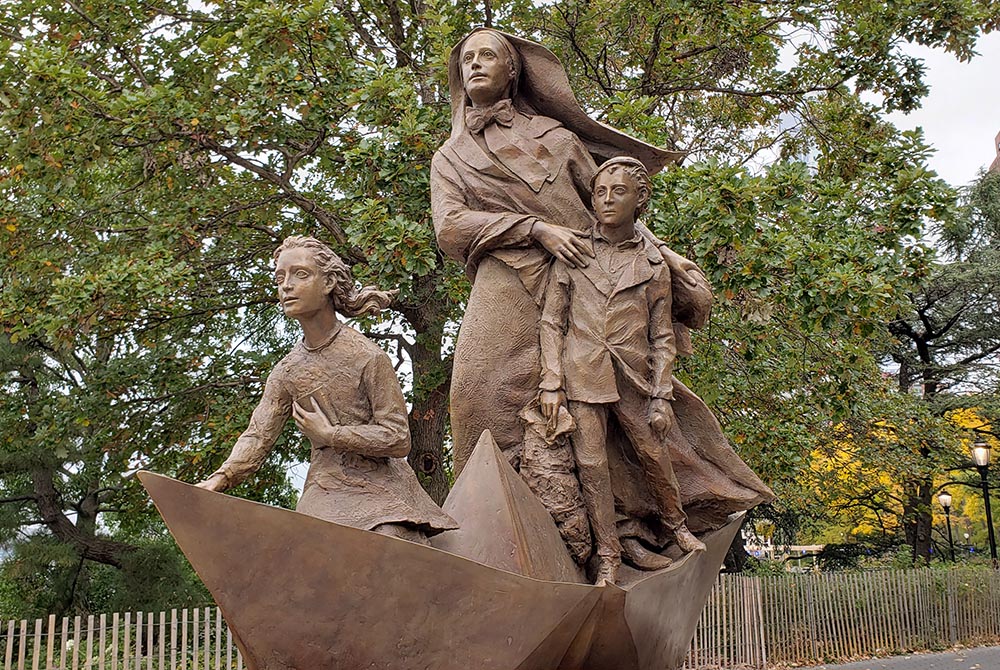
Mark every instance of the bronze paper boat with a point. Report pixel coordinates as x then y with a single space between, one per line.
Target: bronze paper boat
306 594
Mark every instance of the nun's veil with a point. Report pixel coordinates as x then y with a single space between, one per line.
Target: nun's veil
542 88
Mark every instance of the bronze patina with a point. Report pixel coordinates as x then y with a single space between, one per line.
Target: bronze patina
343 393
512 200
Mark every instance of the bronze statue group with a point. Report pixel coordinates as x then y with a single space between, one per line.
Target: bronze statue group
576 316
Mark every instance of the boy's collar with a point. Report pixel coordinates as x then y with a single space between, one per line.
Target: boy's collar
633 241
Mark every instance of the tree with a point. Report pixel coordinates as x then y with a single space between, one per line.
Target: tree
947 344
806 214
944 345
154 154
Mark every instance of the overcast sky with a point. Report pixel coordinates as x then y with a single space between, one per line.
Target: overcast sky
961 116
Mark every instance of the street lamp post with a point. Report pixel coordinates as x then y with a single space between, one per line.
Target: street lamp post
981 457
945 499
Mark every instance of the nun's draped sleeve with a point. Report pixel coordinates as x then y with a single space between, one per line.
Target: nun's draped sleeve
464 233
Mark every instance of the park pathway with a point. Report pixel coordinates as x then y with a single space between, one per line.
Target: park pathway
980 658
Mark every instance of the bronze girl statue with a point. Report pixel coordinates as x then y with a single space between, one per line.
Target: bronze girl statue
343 393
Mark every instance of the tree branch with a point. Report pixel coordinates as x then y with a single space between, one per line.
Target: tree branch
326 218
90 547
24 498
126 56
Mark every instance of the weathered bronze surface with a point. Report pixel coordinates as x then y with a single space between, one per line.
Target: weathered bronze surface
303 593
505 230
573 441
501 522
608 349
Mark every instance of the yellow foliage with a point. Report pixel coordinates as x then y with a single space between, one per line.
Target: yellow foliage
865 494
839 477
975 425
968 417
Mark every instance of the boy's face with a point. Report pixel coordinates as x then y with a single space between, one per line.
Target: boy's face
615 198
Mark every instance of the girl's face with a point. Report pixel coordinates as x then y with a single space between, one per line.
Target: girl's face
303 290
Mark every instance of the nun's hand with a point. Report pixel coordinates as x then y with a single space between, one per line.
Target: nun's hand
563 243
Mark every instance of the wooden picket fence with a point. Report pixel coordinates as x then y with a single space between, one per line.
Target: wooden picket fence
189 639
750 623
755 623
730 633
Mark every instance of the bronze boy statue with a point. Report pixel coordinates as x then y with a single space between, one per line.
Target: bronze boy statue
344 395
607 345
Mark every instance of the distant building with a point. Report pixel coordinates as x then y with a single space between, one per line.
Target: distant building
995 167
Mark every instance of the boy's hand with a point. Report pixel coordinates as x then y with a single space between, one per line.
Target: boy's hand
661 417
549 402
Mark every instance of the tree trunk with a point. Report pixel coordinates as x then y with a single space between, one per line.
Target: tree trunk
917 513
82 536
427 429
736 556
428 420
87 544
431 385
918 504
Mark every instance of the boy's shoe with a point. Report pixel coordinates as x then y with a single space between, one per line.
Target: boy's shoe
687 541
643 558
607 571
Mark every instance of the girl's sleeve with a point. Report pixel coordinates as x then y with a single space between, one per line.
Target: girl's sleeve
388 434
256 442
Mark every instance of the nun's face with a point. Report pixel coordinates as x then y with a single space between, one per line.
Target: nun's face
486 70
